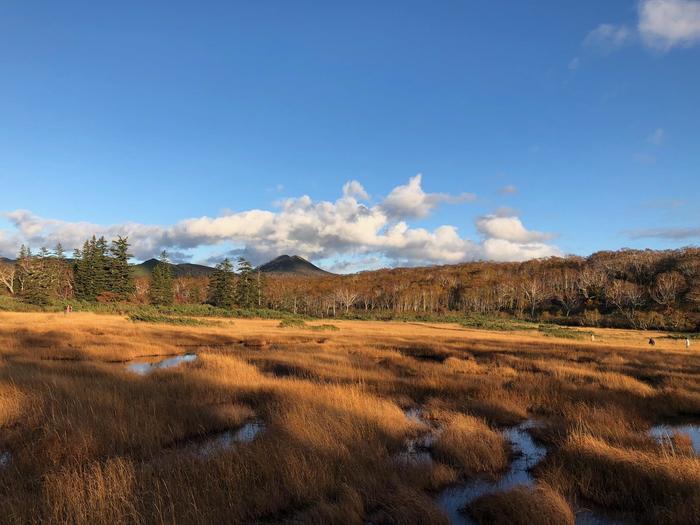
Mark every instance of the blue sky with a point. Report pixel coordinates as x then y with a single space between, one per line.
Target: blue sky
553 128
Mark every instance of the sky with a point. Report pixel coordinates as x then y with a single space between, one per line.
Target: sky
357 134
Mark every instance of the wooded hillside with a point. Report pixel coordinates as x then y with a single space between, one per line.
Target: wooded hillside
626 288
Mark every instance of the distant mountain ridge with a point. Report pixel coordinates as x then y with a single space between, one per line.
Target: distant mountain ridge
292 265
145 269
282 265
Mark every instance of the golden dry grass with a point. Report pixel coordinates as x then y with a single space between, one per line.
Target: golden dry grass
91 442
540 505
467 443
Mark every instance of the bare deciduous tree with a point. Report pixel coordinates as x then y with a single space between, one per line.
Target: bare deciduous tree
346 297
7 276
667 287
626 297
535 293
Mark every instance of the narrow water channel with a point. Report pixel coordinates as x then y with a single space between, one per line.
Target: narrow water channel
229 438
146 367
528 454
664 434
456 497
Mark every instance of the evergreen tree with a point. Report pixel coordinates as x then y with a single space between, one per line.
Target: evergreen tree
161 289
100 265
91 269
121 279
80 272
37 278
64 278
246 292
85 288
222 287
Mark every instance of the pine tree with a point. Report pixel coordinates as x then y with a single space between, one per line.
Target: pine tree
91 269
121 279
161 289
37 278
246 293
83 272
221 285
64 278
100 265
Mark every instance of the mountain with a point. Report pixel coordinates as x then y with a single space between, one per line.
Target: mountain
292 265
145 269
283 265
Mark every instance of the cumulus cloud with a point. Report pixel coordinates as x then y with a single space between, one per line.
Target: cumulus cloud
664 24
661 25
344 229
503 250
411 202
508 228
505 238
355 189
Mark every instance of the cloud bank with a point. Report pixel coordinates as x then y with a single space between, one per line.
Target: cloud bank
349 227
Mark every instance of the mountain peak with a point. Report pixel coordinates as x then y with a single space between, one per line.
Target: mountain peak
291 265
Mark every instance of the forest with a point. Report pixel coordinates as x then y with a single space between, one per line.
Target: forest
640 289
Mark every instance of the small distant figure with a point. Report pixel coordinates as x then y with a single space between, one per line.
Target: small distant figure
651 341
593 338
68 309
687 343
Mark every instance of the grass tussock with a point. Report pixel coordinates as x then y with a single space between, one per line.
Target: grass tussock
653 486
463 366
292 323
469 444
324 328
539 505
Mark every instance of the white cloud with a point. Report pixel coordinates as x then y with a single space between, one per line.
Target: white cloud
574 64
657 138
661 25
411 202
664 24
503 250
343 229
355 189
508 228
507 239
608 37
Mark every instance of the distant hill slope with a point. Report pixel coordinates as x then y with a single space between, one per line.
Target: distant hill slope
292 265
145 269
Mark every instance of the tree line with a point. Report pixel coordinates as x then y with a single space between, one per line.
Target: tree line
100 272
625 288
